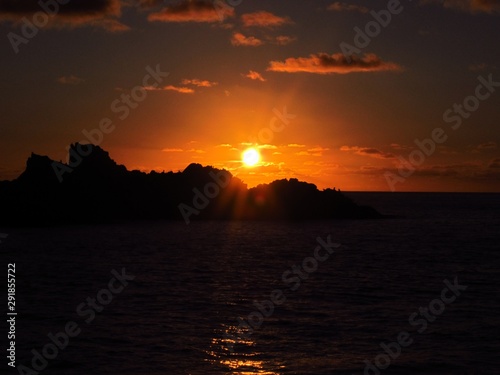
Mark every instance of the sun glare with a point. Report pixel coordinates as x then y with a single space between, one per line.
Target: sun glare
250 157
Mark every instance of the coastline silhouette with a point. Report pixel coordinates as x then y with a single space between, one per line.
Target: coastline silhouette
98 190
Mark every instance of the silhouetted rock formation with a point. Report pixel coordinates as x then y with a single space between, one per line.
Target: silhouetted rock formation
94 189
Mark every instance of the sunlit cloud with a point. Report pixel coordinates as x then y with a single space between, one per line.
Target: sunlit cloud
315 151
70 80
263 19
322 63
342 7
238 39
182 90
95 13
318 149
198 82
368 151
295 145
192 11
172 150
268 147
255 76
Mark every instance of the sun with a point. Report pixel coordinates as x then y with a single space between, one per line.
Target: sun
250 157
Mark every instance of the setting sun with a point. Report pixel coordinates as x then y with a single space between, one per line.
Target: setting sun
250 157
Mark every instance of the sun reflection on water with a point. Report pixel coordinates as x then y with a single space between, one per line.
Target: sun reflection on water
244 360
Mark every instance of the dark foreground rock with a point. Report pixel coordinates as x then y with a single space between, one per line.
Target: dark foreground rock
97 190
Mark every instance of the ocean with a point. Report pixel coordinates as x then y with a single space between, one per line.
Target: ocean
414 294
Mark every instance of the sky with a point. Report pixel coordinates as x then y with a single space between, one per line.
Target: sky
361 96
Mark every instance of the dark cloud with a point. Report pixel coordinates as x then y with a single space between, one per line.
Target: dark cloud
323 63
343 7
192 11
101 13
470 6
368 151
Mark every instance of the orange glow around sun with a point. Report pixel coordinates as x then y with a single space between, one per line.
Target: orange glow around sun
250 157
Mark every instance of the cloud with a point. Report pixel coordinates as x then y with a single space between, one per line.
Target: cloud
255 76
318 149
70 80
267 147
469 6
487 145
182 90
111 25
495 163
99 13
263 19
484 146
368 151
199 83
342 7
239 39
322 63
172 150
283 40
315 151
192 11
477 67
397 146
224 145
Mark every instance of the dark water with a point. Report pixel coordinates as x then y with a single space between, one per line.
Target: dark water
193 282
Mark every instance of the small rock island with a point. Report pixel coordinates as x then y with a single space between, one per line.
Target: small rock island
95 189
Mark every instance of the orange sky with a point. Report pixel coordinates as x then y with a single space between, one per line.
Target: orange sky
231 74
